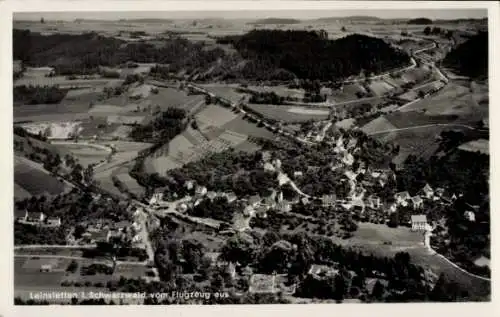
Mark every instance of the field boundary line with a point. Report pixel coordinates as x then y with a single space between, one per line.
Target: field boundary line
458 267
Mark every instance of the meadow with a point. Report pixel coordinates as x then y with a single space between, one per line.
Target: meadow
31 177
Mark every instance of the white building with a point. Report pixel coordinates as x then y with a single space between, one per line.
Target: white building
418 223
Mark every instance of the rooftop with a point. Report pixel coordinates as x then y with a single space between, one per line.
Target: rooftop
418 218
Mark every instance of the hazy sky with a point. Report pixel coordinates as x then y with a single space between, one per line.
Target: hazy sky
307 14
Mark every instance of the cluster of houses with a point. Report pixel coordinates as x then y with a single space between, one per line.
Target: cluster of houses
100 231
36 219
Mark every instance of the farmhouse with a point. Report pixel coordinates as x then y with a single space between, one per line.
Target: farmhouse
470 216
418 222
35 217
427 191
53 221
254 201
211 195
297 174
402 198
230 197
97 236
304 201
156 198
374 201
417 202
322 271
201 191
189 184
46 268
268 167
284 206
248 211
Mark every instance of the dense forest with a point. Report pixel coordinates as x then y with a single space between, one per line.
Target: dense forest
84 53
309 54
31 95
471 57
420 21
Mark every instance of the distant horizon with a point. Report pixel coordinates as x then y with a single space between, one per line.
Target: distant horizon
433 14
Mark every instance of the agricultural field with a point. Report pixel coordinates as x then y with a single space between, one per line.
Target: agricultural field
214 115
378 124
289 113
380 87
454 100
347 93
27 273
242 126
130 183
85 153
63 82
171 97
279 90
31 177
226 91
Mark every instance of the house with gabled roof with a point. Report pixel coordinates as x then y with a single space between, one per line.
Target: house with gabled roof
374 201
417 202
319 271
418 223
189 184
230 197
53 221
201 190
211 195
402 198
254 200
427 191
35 217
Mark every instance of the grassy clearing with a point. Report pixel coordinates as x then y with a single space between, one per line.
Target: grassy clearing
26 274
453 99
170 97
214 115
129 182
282 113
86 153
378 124
239 125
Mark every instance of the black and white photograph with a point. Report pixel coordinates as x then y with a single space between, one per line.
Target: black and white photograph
322 156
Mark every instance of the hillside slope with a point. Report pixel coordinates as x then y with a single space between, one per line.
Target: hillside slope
471 57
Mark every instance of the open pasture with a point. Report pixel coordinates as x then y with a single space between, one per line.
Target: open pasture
214 115
64 82
380 87
130 183
171 97
348 92
27 273
453 100
378 124
86 153
288 113
226 91
242 126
